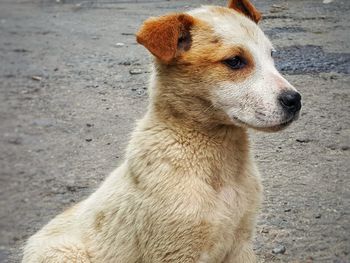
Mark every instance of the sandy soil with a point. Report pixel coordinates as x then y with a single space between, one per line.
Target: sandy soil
69 97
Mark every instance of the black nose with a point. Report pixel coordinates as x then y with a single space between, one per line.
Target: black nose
290 101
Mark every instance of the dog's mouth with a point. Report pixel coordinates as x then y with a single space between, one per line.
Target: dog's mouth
270 128
281 126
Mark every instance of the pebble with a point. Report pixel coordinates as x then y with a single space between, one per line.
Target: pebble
16 141
277 8
265 230
332 146
303 140
37 78
279 249
44 122
135 71
125 63
119 44
345 148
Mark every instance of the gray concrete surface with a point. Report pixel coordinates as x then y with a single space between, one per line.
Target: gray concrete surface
68 104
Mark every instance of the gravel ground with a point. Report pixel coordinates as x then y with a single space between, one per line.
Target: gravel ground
73 81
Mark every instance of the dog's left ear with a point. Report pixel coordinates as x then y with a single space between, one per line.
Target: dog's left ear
166 36
245 7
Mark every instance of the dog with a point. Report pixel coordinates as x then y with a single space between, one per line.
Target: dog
188 189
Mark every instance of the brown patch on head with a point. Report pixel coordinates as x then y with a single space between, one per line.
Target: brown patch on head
99 220
207 54
165 36
245 7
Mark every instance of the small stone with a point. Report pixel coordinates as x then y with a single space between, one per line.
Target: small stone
318 216
279 249
334 76
305 140
119 44
44 122
37 78
287 210
265 230
332 147
135 71
125 63
16 140
345 148
71 188
89 125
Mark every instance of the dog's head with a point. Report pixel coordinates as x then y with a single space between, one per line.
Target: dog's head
216 62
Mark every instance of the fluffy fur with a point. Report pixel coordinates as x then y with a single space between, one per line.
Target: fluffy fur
188 190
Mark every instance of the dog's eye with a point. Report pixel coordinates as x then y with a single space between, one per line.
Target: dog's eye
235 62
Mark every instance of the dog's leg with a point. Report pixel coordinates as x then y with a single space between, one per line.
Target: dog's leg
242 251
244 254
58 252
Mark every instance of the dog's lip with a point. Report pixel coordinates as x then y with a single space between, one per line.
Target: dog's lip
283 124
276 127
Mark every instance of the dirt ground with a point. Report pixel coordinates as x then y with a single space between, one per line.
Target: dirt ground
73 81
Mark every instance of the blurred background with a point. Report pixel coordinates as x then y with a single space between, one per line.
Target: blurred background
73 81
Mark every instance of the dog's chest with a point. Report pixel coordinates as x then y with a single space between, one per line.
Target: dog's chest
230 205
233 205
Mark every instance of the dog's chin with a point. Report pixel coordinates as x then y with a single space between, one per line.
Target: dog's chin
268 128
274 128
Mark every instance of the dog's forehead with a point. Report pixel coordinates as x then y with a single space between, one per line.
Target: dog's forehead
231 26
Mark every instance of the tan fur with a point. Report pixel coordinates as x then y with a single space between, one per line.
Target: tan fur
188 189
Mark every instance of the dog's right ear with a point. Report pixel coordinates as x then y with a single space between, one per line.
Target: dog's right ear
166 36
246 8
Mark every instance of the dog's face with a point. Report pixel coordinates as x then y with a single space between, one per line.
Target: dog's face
221 59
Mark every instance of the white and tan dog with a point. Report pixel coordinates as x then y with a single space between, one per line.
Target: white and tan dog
188 190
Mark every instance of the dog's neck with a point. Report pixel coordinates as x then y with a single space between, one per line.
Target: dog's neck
195 143
164 107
